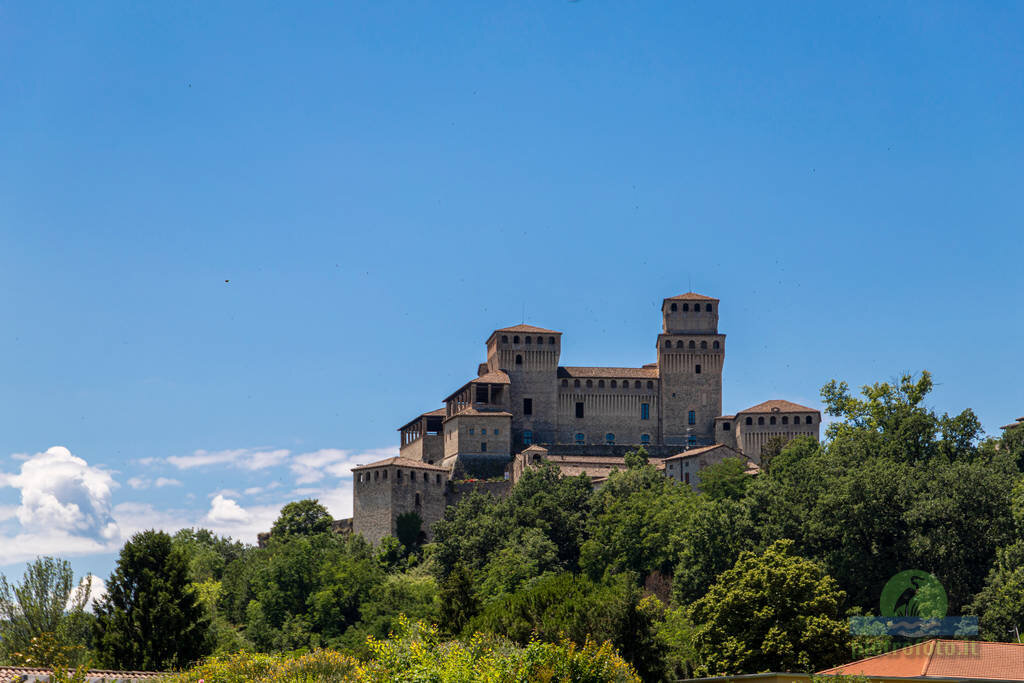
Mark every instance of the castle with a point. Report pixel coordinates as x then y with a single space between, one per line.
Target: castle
523 407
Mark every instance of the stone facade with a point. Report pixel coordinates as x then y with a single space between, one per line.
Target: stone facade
384 490
685 467
524 407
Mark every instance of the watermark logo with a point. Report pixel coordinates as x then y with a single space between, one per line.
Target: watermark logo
914 605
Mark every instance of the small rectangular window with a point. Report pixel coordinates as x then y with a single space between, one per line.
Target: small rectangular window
579 438
579 409
645 438
495 431
645 411
483 432
472 431
527 406
483 446
527 437
698 368
692 418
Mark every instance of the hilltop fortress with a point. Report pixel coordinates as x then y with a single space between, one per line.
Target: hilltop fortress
523 407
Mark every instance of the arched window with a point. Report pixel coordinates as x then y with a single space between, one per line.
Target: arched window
785 420
716 345
527 437
693 344
436 477
636 385
673 307
750 421
610 439
760 420
650 385
600 384
417 500
686 307
808 420
504 339
668 344
579 438
707 307
565 382
515 339
590 383
679 344
519 359
551 340
771 420
575 382
385 477
614 384
529 340
703 345
376 475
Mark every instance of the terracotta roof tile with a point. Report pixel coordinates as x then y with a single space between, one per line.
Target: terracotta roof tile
691 296
943 659
440 412
702 450
608 373
496 377
401 462
778 405
527 328
473 412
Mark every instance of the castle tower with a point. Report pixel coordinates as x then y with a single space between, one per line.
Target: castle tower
529 355
691 354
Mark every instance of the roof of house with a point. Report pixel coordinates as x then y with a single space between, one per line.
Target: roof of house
1018 423
693 452
778 406
691 296
473 412
527 328
400 462
609 373
494 377
942 658
440 412
19 673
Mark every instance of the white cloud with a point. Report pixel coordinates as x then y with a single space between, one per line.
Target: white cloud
140 483
62 493
226 510
97 591
312 467
243 458
166 481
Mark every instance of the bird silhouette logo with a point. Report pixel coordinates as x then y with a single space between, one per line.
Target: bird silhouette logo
915 594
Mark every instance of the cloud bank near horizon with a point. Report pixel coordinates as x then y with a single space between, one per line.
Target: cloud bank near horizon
68 507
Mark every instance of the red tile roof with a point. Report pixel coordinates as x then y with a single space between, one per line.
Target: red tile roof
691 296
943 659
400 462
496 377
779 406
703 449
609 373
527 328
19 673
473 412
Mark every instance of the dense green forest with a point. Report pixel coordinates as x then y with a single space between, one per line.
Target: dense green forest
753 573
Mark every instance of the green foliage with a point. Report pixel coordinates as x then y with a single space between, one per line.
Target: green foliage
999 605
770 612
570 606
416 652
302 518
207 553
725 479
409 530
150 618
458 600
42 619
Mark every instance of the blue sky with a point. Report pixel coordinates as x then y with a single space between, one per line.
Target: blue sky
241 243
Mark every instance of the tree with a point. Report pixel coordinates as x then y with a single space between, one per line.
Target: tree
725 479
45 607
770 612
409 530
458 600
999 605
151 618
302 518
